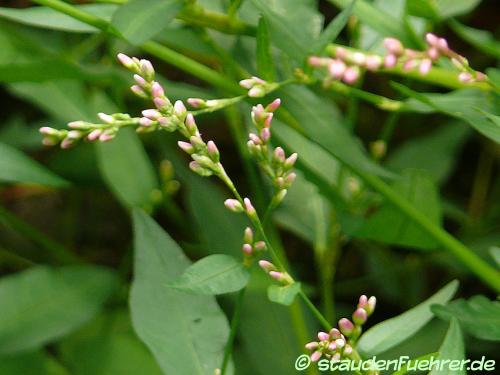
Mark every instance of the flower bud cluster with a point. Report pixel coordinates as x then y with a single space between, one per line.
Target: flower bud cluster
338 343
257 87
272 161
246 206
332 345
251 247
281 276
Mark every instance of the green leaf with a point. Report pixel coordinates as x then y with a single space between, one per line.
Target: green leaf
389 225
452 8
107 345
127 169
49 18
186 333
332 31
51 302
284 295
409 366
483 40
17 167
33 362
479 316
265 64
212 275
422 8
392 332
436 152
140 20
495 254
452 349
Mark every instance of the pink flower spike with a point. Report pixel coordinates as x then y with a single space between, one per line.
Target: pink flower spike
267 266
157 90
311 345
351 75
247 249
315 356
390 61
94 134
336 69
125 60
274 105
323 336
425 66
276 275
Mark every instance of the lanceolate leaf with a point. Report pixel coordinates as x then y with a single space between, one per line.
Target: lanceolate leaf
185 332
479 316
391 332
140 20
17 167
451 349
43 304
215 274
265 64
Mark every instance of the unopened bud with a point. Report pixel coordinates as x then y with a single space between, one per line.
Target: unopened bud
279 155
359 316
213 152
157 90
191 124
323 336
108 119
247 249
249 207
311 345
336 69
260 246
267 266
265 135
140 81
316 356
290 161
256 92
346 326
94 134
279 276
373 62
248 235
390 61
196 102
394 46
233 205
125 60
274 105
351 75
186 147
147 69
179 109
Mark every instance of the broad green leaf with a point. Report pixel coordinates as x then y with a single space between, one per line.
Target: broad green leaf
389 225
452 349
422 8
409 366
107 345
49 18
479 316
483 40
382 22
265 64
140 20
495 253
292 25
452 8
33 362
17 167
212 275
127 170
392 332
51 302
284 295
186 333
321 123
436 152
332 31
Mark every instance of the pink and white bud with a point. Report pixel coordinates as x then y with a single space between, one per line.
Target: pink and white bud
267 121
125 60
274 105
265 135
290 161
433 53
74 134
137 90
336 357
157 90
465 77
335 333
311 345
267 266
258 81
351 75
363 300
160 103
191 124
431 39
152 114
336 69
258 113
358 58
290 178
48 141
425 66
347 350
279 154
249 207
179 109
213 151
256 92
255 138
144 121
233 205
346 326
410 65
442 45
481 76
332 346
66 143
186 147
46 130
106 137
247 83
370 306
390 61
108 119
394 46
359 316
140 81
323 336
341 53
248 235
373 62
147 69
340 343
281 195
260 246
279 276
247 249
77 125
196 102
318 62
316 356
94 134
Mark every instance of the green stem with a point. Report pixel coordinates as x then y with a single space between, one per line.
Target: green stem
57 252
326 325
235 321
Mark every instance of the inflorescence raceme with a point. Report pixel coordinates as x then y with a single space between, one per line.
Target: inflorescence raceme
347 65
340 342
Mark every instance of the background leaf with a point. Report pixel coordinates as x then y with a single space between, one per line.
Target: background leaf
265 64
43 304
451 349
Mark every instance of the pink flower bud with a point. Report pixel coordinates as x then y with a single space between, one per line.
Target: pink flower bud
340 343
179 109
290 178
191 124
347 350
373 62
94 134
390 61
291 160
258 112
363 299
335 333
425 66
351 75
336 69
255 138
431 39
137 90
265 135
281 195
160 103
152 114
315 356
346 326
147 69
196 102
157 90
256 92
140 81
336 357
144 121
49 142
233 205
394 46
247 249
359 316
279 154
323 336
433 53
358 58
66 143
465 77
74 134
267 121
276 275
274 105
247 83
260 245
106 118
332 346
125 60
370 306
311 345
409 65
442 45
213 151
267 266
248 235
47 130
106 137
186 147
249 207
341 53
